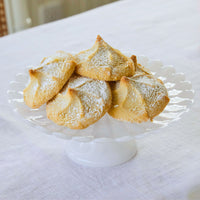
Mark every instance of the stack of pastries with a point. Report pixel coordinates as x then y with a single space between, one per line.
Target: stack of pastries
80 89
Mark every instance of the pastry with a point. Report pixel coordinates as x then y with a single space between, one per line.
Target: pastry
77 100
47 79
102 62
138 98
80 103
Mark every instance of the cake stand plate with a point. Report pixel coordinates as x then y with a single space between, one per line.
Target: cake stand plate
108 142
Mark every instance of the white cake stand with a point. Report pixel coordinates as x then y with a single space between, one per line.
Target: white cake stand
108 142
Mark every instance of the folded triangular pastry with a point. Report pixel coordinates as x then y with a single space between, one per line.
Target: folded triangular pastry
138 98
80 103
103 62
47 79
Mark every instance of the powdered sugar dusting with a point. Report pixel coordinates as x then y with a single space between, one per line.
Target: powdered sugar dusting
151 90
101 58
104 58
50 75
83 56
93 94
77 82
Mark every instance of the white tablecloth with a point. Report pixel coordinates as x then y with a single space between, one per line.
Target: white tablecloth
34 166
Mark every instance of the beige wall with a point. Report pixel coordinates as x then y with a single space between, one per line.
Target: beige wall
23 14
71 7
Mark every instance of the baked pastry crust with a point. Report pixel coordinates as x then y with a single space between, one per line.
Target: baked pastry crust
82 102
138 98
102 62
47 79
77 101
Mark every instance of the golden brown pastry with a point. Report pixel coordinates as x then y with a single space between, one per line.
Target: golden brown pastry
80 103
47 79
102 62
138 98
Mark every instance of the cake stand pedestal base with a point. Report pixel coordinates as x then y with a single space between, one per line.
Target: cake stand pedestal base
102 152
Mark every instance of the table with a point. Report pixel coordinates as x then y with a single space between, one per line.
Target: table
34 166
